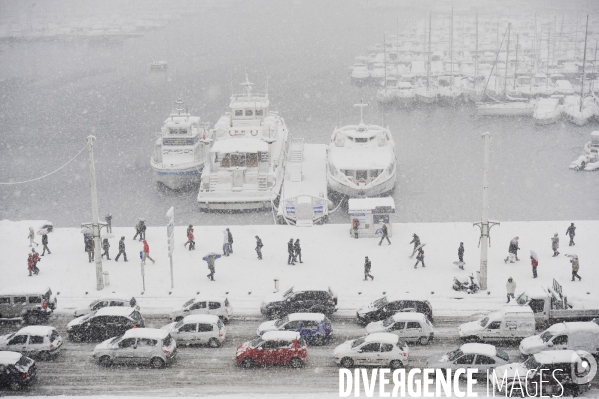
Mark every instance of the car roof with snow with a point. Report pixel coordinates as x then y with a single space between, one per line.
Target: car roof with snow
382 337
210 297
151 333
405 297
311 316
39 330
316 286
517 309
479 349
115 311
558 356
280 335
535 292
113 296
410 316
203 318
35 290
574 326
8 357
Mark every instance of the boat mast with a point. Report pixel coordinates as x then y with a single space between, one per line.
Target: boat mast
476 55
428 70
576 37
516 63
534 46
592 89
561 32
547 66
507 57
451 50
584 61
385 59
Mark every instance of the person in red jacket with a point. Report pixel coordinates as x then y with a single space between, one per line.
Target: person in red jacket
190 239
147 252
534 260
30 264
35 257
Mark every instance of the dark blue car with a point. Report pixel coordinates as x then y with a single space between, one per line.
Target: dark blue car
314 328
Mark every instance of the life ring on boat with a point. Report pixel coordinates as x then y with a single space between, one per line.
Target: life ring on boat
232 132
254 132
362 181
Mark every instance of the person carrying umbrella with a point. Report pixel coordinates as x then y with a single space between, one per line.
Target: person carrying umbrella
534 260
210 258
31 237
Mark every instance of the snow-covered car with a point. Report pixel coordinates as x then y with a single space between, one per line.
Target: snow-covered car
41 341
107 322
104 302
378 349
198 329
315 328
388 305
578 335
218 305
16 370
410 327
311 298
34 305
478 356
151 346
282 348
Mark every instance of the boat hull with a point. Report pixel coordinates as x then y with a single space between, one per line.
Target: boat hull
426 99
361 192
497 110
179 178
237 201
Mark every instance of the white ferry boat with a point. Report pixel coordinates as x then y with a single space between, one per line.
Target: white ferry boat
246 164
361 160
180 149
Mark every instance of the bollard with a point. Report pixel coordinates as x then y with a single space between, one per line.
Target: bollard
276 285
106 278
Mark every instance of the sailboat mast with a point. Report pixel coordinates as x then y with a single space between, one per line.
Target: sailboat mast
534 45
547 66
592 89
561 32
476 54
516 63
451 49
428 70
507 57
385 59
584 61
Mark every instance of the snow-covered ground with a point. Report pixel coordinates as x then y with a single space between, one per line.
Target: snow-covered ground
330 255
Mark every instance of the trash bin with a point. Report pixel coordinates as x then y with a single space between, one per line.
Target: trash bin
106 278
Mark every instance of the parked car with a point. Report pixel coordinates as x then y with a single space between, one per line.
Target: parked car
310 299
104 323
554 368
378 349
41 341
218 305
578 335
273 348
483 357
410 327
151 346
104 302
33 305
388 305
16 370
315 328
510 324
198 329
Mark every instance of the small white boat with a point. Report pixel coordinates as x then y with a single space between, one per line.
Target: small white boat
449 90
547 110
427 93
158 65
360 74
573 112
388 93
405 94
588 161
509 108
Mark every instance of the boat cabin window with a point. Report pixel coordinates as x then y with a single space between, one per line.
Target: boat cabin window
239 160
251 160
249 112
259 112
238 112
361 174
174 130
361 140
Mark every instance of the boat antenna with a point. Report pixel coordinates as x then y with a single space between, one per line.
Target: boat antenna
507 58
231 80
516 63
494 63
361 106
179 106
584 61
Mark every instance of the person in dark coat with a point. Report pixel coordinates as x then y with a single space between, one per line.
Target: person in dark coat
89 248
45 244
142 231
513 249
259 246
121 250
86 236
190 238
106 247
108 219
575 267
416 242
297 251
355 225
461 252
35 257
419 258
385 234
290 251
367 267
571 232
210 260
230 236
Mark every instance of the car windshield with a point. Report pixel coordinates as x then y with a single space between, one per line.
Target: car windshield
88 316
288 292
451 356
531 363
388 322
116 339
502 355
522 299
546 336
23 363
167 341
256 343
94 303
484 322
179 323
188 302
379 303
358 342
282 321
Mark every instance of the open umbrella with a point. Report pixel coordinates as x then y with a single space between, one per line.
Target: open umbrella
420 246
534 255
107 235
209 255
572 256
41 232
85 230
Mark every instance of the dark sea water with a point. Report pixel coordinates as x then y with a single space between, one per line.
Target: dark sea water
54 94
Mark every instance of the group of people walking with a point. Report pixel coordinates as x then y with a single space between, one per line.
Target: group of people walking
294 250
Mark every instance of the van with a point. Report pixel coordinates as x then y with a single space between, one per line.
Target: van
218 305
33 305
511 323
581 335
414 327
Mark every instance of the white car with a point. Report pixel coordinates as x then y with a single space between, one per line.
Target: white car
41 341
411 327
104 302
378 349
198 329
204 304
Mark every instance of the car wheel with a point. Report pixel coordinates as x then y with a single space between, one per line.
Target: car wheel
247 363
44 355
296 363
395 364
76 336
14 386
317 340
347 362
423 340
214 343
105 361
157 363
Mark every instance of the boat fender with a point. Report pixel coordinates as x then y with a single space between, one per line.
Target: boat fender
254 132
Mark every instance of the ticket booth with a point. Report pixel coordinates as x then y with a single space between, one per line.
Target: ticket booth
371 213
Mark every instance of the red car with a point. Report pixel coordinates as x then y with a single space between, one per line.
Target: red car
273 348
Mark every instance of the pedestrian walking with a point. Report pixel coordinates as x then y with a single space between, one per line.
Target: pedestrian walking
510 286
121 250
226 245
230 238
35 258
367 267
259 246
420 258
142 231
137 230
190 238
210 258
461 253
355 225
86 236
416 242
297 251
575 267
146 254
108 219
189 229
534 261
290 251
385 235
89 248
571 232
45 244
555 244
106 247
31 237
513 249
30 264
